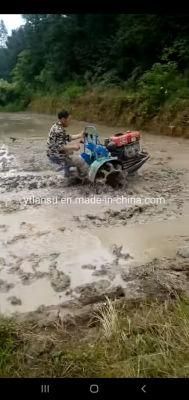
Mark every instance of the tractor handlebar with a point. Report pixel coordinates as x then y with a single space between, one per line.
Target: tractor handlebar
93 135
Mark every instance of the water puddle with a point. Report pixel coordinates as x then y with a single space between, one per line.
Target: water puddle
145 241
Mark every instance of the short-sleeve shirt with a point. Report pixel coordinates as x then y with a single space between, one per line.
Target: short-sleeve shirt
57 139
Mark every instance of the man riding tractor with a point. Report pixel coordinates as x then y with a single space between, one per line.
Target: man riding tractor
60 147
106 164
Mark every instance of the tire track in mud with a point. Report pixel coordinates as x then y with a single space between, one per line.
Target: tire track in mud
165 183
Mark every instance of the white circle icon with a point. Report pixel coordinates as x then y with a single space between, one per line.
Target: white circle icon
94 389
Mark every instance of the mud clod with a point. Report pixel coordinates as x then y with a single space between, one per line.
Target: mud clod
16 238
90 216
53 256
53 266
68 292
5 286
33 185
88 266
183 252
2 261
117 251
3 228
92 292
15 301
59 281
26 278
106 270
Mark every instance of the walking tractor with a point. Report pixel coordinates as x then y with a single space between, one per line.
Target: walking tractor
109 163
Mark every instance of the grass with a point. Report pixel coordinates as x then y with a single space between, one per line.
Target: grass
149 339
11 107
109 320
117 106
140 108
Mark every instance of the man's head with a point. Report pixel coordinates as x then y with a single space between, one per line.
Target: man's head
64 117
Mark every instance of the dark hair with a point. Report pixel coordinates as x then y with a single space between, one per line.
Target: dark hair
63 114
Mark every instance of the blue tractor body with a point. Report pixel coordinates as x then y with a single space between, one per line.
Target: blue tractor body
93 149
97 155
107 164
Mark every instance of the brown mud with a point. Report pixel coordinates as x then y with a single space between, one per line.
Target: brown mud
60 258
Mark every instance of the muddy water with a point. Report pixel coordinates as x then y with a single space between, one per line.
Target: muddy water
51 253
149 240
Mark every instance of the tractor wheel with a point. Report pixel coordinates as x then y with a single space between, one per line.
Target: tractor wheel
110 174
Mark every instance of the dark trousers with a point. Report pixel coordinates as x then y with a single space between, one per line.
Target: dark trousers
70 161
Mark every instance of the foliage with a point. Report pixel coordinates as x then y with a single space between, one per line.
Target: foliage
63 47
3 34
8 92
146 56
160 84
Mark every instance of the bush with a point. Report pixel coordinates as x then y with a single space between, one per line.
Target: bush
159 85
72 90
12 98
8 92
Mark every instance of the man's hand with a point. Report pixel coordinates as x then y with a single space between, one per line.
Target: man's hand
82 133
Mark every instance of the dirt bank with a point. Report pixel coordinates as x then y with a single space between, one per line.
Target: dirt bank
114 107
60 258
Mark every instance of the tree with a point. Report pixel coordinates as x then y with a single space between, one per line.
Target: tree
9 55
3 34
53 49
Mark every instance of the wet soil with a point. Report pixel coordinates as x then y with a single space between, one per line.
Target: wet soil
59 255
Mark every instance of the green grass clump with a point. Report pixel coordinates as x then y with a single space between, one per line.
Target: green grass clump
149 339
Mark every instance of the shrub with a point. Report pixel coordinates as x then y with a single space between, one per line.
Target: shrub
8 92
72 90
159 85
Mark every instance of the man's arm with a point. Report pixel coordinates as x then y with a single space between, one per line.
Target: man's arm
79 136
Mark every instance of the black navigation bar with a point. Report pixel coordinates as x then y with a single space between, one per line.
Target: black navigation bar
102 389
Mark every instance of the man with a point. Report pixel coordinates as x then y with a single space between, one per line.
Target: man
60 147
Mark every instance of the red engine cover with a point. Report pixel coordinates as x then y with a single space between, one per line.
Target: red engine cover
121 139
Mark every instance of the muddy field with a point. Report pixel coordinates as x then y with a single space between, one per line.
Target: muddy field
58 257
